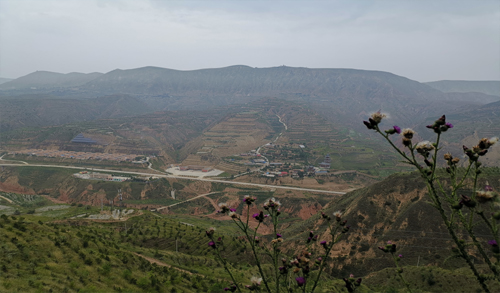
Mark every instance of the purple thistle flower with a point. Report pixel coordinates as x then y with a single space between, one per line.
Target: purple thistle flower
397 129
278 235
493 243
449 125
300 281
255 215
400 256
211 244
232 210
488 187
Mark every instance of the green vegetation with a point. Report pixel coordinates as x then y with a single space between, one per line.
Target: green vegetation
43 256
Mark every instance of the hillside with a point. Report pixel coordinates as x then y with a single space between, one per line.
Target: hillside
210 137
491 87
395 209
46 110
156 252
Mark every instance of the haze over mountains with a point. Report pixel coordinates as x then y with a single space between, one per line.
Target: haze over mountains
48 80
489 87
343 95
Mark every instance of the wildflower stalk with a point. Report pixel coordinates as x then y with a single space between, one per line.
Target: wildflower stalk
400 271
424 149
327 253
274 217
226 267
244 227
469 229
460 244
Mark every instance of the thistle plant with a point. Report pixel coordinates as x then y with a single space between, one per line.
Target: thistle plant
481 206
298 273
391 248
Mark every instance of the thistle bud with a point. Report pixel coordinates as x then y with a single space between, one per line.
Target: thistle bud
376 118
338 215
368 125
494 246
467 201
408 133
428 163
441 120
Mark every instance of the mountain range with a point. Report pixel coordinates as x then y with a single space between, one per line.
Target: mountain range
344 95
341 98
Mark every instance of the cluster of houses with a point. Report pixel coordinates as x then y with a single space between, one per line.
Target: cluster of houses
296 173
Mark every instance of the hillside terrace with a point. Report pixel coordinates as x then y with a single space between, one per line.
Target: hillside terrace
76 155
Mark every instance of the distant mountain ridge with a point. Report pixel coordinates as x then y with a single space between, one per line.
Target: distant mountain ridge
344 95
489 87
347 92
4 80
47 79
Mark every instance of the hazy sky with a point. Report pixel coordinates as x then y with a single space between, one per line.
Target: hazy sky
421 40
